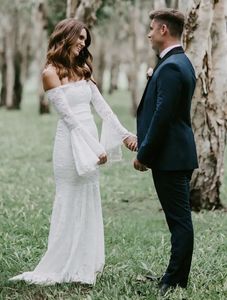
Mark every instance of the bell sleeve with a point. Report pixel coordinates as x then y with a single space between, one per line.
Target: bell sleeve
85 148
112 133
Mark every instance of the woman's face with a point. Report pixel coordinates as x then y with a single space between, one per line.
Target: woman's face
80 43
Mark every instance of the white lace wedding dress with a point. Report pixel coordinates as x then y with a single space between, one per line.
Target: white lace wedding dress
76 239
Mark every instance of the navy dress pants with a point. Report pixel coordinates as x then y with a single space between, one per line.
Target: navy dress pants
173 191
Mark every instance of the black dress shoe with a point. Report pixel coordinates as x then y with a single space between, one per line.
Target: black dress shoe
164 288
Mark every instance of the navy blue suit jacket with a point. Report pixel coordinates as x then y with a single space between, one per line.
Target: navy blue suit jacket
165 137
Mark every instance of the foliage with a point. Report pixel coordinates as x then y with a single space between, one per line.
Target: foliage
109 8
56 13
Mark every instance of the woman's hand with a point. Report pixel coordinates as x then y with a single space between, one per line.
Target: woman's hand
102 159
131 142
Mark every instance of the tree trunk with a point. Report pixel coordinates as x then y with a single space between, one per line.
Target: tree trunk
7 32
172 3
185 5
133 76
100 61
206 44
39 50
15 31
114 73
18 61
83 10
71 8
3 83
10 70
159 4
17 95
2 70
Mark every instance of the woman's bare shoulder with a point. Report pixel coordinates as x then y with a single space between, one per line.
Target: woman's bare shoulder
50 78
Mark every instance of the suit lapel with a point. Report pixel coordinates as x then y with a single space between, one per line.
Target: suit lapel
175 50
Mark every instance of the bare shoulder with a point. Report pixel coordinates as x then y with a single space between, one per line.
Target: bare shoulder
50 78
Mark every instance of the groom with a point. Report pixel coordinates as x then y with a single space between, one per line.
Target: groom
165 139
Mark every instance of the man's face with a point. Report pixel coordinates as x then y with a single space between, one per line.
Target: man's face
155 34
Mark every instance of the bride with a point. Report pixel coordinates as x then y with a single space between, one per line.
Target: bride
75 250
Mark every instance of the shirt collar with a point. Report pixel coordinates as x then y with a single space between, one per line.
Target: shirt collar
166 50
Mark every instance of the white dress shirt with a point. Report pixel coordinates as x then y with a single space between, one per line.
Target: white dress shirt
166 50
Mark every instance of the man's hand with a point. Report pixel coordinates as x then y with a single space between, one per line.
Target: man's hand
139 167
131 142
102 159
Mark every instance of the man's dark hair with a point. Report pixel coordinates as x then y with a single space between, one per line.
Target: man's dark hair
172 18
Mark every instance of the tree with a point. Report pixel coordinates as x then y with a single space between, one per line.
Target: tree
205 42
15 32
125 24
39 47
84 10
24 35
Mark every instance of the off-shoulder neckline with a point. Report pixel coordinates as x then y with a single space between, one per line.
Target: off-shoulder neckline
75 82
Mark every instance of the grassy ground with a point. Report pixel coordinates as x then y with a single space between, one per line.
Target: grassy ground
137 239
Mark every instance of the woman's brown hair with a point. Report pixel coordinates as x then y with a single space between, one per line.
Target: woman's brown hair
59 52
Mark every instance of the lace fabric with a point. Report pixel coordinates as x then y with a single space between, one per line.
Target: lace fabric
113 133
75 251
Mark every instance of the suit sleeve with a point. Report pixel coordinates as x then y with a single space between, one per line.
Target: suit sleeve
169 88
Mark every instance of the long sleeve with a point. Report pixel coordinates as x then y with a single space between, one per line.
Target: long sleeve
112 133
85 148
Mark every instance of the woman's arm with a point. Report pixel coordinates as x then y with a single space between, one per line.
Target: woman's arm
81 140
107 115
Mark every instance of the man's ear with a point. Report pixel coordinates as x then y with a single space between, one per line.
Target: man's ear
164 29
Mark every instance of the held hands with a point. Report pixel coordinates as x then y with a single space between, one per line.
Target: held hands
131 142
102 159
139 167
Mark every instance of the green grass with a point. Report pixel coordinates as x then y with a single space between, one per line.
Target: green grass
136 235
